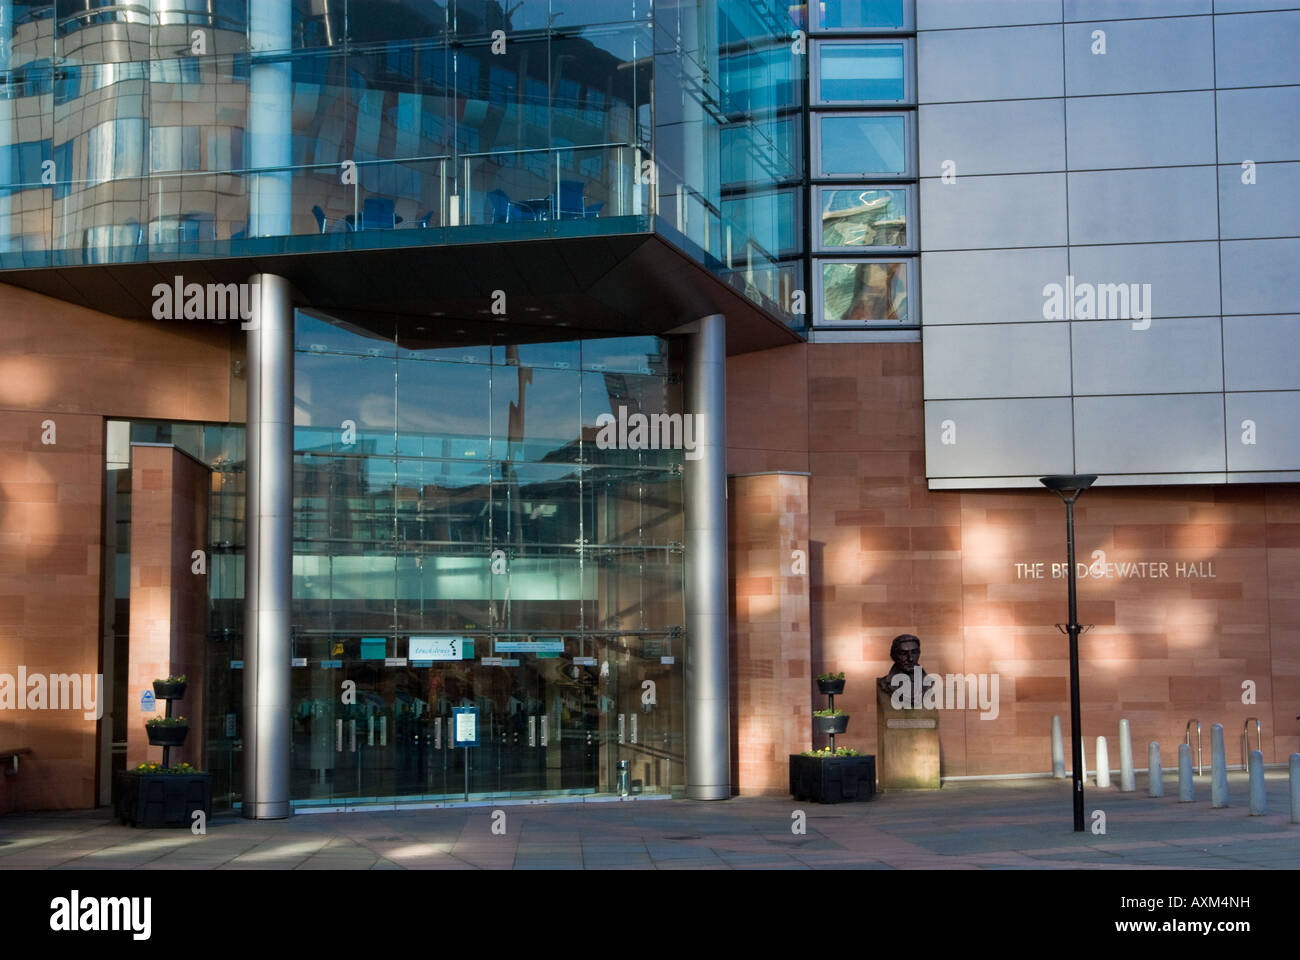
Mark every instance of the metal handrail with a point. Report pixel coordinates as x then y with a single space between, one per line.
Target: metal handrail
1200 767
1245 741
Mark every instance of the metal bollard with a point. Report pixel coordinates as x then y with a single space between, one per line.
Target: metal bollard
1218 768
1126 784
1258 796
1155 776
1186 785
1295 788
1103 764
1058 750
622 778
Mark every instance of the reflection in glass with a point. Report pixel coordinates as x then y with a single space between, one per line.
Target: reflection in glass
355 420
863 217
862 146
860 72
865 292
861 14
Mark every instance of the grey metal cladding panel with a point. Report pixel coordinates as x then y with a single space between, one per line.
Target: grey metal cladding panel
1259 124
1142 56
946 14
1169 356
1156 205
1184 277
1122 9
1269 207
1149 434
1262 353
1261 276
998 438
1257 49
1245 6
1274 429
990 286
1006 136
996 360
1142 130
1003 63
1025 210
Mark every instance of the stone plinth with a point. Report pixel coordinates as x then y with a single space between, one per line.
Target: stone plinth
908 746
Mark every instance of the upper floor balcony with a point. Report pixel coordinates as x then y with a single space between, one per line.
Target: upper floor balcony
250 135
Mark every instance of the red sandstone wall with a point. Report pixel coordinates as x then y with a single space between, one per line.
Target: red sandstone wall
75 367
890 556
169 511
771 713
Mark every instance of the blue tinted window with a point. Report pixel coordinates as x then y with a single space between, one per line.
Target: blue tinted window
858 14
862 145
860 72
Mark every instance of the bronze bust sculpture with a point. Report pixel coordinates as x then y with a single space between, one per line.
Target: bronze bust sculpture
905 651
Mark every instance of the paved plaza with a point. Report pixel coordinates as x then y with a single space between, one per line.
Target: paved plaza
1010 824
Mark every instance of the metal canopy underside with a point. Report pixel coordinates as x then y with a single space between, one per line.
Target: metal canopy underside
556 289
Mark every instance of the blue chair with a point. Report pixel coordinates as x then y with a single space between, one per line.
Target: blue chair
501 209
377 213
573 200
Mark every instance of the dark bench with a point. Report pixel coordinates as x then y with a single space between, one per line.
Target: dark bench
10 758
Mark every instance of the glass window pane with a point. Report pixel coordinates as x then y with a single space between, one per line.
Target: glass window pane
535 503
626 355
443 409
860 14
873 292
343 404
443 501
863 146
860 217
535 414
861 71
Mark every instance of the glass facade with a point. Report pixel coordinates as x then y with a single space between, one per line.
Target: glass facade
196 129
489 517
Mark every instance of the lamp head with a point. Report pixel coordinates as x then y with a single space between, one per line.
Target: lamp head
1068 487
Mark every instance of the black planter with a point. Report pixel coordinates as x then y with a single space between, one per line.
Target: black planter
830 687
162 800
168 691
166 736
831 724
833 779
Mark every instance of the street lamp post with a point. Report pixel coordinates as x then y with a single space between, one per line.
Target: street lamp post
1068 489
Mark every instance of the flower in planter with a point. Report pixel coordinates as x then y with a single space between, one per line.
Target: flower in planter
827 677
167 722
826 752
172 680
837 712
178 769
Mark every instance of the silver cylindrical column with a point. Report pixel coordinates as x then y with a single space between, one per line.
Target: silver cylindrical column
268 560
708 707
